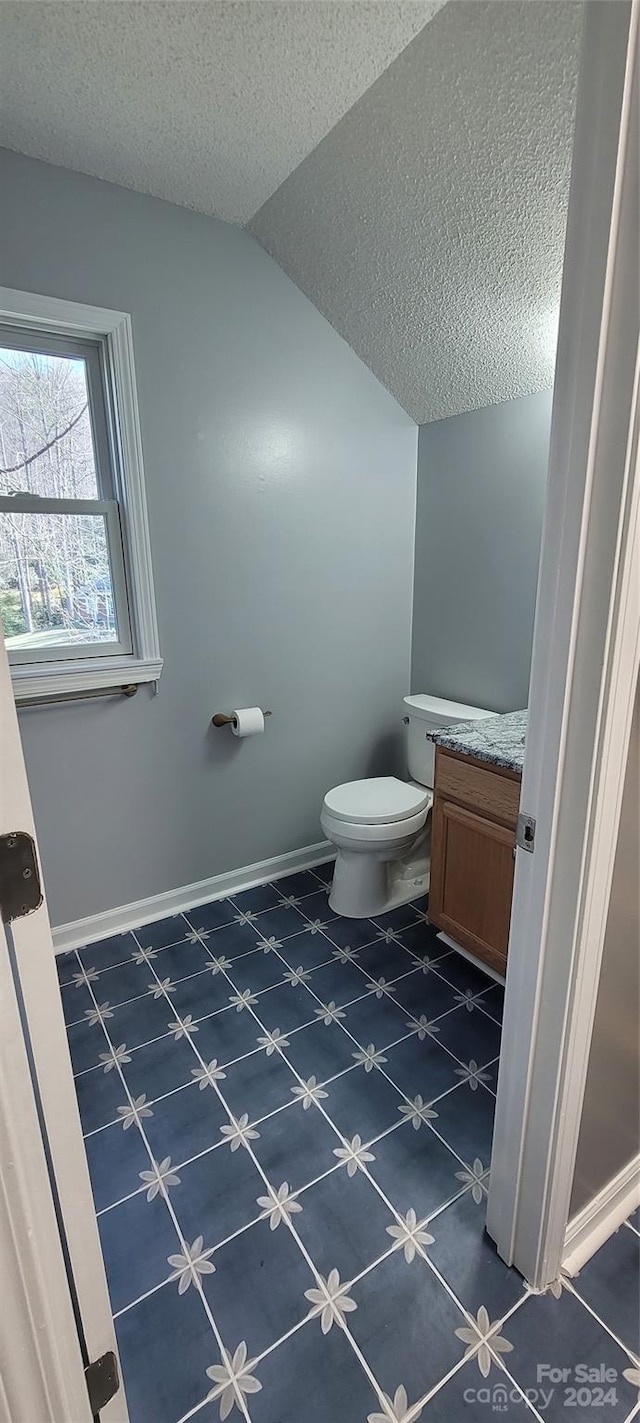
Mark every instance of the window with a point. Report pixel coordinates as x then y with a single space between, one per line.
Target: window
76 591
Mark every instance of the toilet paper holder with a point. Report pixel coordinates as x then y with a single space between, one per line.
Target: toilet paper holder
222 719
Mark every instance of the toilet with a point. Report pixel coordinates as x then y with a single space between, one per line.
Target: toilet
381 827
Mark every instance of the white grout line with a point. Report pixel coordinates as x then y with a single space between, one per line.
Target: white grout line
331 1170
416 1408
487 1014
569 1285
419 963
149 1043
155 1289
136 997
361 1358
206 934
314 871
336 1076
184 1244
301 1191
372 1181
206 1018
415 959
258 946
286 1221
289 1224
358 1045
259 1121
291 1032
497 1326
116 1121
306 1320
119 962
176 983
182 914
260 993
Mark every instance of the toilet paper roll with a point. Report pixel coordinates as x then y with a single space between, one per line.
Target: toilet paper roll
247 721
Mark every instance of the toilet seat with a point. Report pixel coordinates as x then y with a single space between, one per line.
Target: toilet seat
392 833
378 801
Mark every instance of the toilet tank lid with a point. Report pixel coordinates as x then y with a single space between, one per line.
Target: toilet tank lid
436 709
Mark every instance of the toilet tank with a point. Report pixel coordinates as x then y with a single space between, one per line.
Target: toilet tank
424 714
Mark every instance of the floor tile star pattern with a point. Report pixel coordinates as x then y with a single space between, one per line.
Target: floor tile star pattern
288 1121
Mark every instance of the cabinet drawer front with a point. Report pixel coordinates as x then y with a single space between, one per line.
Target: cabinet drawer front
487 790
478 881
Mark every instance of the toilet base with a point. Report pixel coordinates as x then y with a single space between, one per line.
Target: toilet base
365 886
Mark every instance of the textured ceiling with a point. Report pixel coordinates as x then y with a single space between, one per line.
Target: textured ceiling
206 104
428 226
407 164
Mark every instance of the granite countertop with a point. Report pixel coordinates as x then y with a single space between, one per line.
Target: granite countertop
498 739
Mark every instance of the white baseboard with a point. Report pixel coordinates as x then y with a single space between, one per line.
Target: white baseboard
176 901
601 1217
478 963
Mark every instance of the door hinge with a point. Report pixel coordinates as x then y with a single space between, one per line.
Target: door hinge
20 889
103 1381
526 833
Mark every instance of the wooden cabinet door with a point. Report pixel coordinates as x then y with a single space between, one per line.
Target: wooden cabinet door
472 881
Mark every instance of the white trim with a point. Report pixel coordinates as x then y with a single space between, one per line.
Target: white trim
601 1217
37 310
471 958
133 494
188 896
584 672
94 673
40 312
43 1376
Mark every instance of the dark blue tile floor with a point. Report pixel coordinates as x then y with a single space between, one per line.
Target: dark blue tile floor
288 1122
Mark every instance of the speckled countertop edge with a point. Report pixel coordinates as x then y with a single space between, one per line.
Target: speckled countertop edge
497 739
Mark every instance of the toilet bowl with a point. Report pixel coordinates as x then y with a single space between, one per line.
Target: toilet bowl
373 823
381 827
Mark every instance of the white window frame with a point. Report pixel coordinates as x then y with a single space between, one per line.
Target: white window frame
80 652
33 313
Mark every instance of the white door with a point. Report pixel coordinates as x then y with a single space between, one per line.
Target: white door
55 1315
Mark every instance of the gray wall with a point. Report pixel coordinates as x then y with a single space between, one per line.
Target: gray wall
281 490
481 492
610 1127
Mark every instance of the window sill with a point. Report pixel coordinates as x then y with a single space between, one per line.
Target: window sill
90 676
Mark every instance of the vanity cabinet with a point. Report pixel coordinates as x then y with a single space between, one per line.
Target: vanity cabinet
472 853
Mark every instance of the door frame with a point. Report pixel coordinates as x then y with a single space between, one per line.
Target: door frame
584 668
49 1239
42 1366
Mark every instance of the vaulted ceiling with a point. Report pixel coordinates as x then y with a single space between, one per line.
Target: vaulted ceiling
407 164
428 226
209 103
